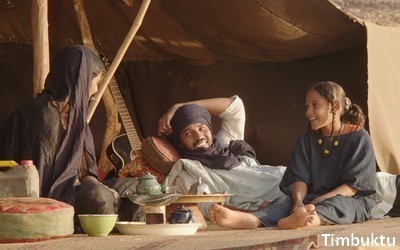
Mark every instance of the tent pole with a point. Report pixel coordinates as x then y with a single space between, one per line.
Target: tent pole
118 57
40 34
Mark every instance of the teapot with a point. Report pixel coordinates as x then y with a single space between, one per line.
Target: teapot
180 215
199 188
148 185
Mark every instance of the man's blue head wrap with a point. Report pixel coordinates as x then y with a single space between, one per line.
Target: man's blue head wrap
186 115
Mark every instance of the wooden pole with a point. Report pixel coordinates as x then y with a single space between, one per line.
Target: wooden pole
114 65
40 34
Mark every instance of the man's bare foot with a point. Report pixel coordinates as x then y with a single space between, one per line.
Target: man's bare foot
225 217
301 217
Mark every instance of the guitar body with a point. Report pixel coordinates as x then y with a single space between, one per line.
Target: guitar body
124 153
119 153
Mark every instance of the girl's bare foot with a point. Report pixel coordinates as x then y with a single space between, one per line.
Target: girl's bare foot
301 217
225 217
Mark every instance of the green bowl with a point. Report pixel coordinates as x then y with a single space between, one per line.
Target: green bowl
97 224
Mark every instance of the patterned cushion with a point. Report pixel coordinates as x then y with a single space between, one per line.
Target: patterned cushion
26 219
159 153
139 167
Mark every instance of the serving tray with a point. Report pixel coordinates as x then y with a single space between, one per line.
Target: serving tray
199 198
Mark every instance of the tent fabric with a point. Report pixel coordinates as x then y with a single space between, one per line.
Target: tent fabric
266 30
384 93
197 31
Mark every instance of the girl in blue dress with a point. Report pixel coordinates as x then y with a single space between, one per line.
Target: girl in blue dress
330 178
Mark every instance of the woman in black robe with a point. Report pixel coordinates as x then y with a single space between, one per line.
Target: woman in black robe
51 130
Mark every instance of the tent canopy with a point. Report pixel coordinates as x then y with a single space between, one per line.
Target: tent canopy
197 31
267 52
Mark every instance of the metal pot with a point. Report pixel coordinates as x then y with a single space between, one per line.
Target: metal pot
180 215
148 185
199 188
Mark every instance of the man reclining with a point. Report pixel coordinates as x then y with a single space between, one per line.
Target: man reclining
222 157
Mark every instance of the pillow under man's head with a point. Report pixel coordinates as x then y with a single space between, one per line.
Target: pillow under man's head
186 115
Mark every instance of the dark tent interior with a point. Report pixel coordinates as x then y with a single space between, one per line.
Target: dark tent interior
264 51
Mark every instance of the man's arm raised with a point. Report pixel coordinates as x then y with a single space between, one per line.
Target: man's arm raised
214 105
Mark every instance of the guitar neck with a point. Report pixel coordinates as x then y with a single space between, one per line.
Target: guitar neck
130 129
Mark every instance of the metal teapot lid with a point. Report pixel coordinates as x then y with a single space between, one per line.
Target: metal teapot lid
181 208
148 175
199 188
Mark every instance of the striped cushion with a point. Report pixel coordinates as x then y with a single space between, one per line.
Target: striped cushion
159 153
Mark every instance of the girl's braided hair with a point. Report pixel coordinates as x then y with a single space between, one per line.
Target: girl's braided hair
351 112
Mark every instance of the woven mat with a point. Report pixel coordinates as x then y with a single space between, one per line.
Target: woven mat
309 242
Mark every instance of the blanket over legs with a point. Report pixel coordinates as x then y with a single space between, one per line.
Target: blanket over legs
251 185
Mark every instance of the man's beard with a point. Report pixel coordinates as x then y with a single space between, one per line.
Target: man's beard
202 143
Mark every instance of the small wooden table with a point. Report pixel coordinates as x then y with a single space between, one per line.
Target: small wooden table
191 202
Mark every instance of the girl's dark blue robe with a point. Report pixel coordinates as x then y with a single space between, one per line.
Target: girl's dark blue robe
352 162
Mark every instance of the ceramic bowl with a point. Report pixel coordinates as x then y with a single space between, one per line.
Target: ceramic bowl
97 224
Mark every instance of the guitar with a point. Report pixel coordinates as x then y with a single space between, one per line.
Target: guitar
125 148
125 153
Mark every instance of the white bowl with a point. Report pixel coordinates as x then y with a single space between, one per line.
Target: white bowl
133 228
